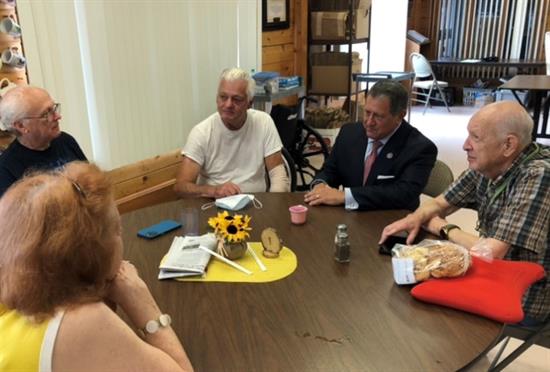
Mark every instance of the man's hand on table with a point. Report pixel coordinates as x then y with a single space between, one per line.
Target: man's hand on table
226 189
411 223
324 194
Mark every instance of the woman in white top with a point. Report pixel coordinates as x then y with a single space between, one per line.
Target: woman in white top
60 261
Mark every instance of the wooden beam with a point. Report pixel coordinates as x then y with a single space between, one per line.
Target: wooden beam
157 194
146 182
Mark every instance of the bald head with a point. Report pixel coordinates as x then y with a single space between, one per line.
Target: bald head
18 102
504 118
497 135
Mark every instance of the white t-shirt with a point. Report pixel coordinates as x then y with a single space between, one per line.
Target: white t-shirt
233 156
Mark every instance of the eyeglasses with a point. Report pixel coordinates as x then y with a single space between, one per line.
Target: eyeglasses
49 115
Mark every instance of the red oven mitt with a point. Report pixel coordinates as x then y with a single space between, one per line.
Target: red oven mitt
493 290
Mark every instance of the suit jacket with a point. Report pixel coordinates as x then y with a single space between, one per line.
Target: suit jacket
398 175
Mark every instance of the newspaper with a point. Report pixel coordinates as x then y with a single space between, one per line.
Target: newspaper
184 258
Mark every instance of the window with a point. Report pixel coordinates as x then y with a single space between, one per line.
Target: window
502 28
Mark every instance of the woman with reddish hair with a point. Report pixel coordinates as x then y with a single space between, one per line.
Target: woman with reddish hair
60 261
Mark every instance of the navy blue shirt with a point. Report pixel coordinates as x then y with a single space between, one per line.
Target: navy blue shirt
18 159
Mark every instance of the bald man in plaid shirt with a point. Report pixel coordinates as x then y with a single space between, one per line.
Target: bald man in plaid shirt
508 183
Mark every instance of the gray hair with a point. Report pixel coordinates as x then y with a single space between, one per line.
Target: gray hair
234 74
394 91
15 105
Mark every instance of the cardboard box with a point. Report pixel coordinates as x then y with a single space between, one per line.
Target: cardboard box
330 73
328 25
333 25
479 97
361 22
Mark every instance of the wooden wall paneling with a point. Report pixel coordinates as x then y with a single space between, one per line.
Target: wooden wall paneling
145 174
278 37
418 17
277 53
546 28
431 50
470 22
502 26
422 18
147 182
410 47
14 74
284 51
285 68
300 39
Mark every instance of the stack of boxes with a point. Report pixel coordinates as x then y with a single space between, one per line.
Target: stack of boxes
333 25
330 72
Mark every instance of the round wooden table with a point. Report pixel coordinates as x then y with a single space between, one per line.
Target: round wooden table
325 316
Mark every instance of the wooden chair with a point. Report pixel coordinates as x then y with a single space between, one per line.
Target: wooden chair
147 182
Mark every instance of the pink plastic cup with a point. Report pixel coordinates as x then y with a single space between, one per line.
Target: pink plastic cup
298 214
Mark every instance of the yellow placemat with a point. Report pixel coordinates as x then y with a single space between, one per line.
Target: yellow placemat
277 268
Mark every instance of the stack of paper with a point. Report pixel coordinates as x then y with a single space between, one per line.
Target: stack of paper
185 258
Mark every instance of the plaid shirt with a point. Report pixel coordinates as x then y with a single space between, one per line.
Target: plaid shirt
519 215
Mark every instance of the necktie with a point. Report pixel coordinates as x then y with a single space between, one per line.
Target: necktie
370 160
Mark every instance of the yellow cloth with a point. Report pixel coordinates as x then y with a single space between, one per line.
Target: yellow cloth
277 268
21 341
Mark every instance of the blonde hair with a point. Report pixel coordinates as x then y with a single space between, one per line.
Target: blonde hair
56 247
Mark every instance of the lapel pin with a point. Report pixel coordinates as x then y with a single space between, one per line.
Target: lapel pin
389 155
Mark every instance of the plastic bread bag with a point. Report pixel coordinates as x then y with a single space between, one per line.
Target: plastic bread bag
429 259
482 250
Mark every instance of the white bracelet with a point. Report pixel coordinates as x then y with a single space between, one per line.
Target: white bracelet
154 325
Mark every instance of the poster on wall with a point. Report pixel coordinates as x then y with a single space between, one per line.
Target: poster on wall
275 15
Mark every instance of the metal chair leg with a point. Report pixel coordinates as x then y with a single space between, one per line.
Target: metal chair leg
442 96
529 341
499 353
428 99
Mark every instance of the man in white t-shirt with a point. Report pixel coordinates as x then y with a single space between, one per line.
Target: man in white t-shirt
230 151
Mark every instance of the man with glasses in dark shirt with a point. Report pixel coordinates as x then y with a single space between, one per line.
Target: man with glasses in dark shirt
33 117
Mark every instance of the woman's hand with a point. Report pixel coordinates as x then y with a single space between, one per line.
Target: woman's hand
127 287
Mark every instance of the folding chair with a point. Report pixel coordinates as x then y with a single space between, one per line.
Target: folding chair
539 335
423 70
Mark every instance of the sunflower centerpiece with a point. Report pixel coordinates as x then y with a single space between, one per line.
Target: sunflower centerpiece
231 232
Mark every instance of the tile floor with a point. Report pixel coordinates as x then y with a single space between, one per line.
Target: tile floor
448 131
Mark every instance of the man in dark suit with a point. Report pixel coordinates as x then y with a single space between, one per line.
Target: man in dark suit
382 163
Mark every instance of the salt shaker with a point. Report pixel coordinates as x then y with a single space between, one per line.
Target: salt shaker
341 244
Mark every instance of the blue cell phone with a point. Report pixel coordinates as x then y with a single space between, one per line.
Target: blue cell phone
159 229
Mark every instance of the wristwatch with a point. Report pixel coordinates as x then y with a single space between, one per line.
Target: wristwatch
154 325
444 231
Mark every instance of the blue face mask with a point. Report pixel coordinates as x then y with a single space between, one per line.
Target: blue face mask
234 202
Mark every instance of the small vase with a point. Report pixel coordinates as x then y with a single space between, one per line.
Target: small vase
231 250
